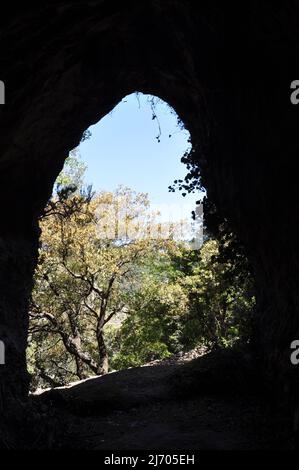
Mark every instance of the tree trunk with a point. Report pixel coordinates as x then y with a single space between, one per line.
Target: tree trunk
103 355
77 341
80 368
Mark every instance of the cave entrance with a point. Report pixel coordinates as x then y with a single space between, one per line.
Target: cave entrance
124 277
120 180
78 66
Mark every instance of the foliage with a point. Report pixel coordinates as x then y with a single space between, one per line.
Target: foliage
72 173
88 268
187 299
221 299
156 305
111 292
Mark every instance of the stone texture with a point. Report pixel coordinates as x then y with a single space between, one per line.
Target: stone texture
225 69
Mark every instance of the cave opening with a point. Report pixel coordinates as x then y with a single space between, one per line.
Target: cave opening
126 276
77 67
130 160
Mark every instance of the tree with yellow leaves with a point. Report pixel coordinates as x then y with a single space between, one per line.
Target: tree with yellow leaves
92 247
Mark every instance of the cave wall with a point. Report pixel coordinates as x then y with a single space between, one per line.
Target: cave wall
227 73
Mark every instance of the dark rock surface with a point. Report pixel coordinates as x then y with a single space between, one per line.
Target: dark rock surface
226 69
209 403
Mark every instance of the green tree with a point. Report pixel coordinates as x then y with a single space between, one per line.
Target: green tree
221 299
157 302
92 248
114 286
73 172
187 298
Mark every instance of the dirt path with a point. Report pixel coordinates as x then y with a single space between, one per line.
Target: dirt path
206 403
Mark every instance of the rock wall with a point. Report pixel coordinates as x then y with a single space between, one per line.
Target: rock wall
226 71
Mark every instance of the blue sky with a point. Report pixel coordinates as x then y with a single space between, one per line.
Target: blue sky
124 150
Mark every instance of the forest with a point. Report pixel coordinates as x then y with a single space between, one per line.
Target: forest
115 288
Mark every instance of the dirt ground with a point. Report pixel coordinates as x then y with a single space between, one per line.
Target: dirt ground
210 402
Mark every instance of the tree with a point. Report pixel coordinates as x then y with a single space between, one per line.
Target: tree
157 302
221 298
187 298
73 172
114 288
92 247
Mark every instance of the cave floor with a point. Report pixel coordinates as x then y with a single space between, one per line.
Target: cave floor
206 404
203 424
